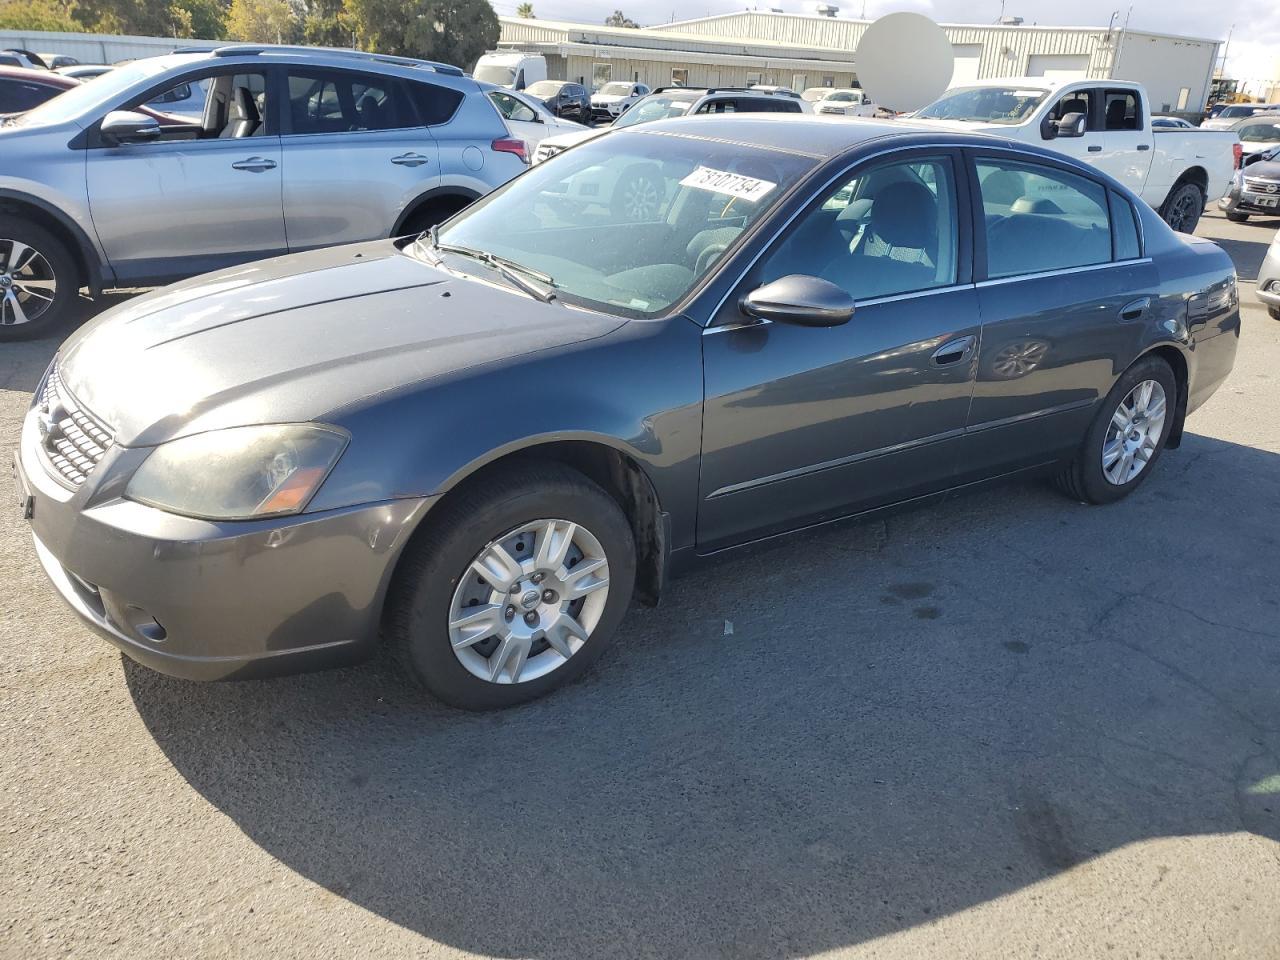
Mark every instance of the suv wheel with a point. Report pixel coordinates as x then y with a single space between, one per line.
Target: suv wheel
515 588
38 280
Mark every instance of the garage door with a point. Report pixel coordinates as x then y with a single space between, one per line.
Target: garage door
968 59
1058 66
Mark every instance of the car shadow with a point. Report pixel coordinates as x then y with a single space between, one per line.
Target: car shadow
23 362
822 741
1247 255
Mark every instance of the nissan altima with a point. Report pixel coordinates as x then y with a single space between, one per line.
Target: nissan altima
480 443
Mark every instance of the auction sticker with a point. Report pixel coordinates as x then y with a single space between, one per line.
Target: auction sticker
730 184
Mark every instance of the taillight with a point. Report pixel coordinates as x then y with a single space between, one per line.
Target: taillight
1237 151
512 145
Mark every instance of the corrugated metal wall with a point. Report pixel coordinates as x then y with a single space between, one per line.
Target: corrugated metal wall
96 48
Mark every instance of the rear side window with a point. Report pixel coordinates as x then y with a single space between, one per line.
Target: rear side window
1121 111
1124 228
435 104
337 101
1040 218
18 95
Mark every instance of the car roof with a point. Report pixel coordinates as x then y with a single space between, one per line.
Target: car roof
812 135
46 77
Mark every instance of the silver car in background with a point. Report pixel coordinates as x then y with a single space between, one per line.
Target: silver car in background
1269 278
294 148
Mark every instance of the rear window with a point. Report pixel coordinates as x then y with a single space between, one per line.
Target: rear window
1124 228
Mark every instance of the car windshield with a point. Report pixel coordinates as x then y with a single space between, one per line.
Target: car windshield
96 93
1238 112
655 108
544 88
495 73
1260 132
841 96
986 104
629 223
616 89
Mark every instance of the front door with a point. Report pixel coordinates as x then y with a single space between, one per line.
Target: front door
198 198
1065 284
801 424
357 153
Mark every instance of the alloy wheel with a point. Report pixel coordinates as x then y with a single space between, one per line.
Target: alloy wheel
640 199
1134 433
529 601
27 283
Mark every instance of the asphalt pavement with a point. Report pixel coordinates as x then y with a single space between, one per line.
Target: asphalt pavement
1004 726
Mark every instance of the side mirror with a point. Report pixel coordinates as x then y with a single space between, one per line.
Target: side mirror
804 301
1072 125
125 126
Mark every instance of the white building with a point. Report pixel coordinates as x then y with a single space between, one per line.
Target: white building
800 51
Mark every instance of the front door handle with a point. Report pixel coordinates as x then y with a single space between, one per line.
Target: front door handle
1134 310
953 351
254 164
410 160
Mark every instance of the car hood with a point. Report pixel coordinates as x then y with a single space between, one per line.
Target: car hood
1218 124
607 97
296 338
1249 149
1265 169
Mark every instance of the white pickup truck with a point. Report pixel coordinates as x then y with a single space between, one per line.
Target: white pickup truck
1107 124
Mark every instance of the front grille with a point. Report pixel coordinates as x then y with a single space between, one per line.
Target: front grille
72 439
1259 185
546 151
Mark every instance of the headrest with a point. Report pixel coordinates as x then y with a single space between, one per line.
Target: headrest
1116 110
1075 106
905 215
1034 205
242 105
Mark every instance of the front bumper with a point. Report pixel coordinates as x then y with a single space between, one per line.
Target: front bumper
209 601
1250 201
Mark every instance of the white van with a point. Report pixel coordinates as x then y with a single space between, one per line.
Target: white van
510 68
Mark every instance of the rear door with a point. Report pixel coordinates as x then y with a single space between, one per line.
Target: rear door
357 151
1062 284
1126 144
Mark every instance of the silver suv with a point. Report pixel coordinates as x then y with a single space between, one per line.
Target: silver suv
295 148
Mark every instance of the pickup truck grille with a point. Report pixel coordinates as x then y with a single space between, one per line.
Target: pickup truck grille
1262 185
72 440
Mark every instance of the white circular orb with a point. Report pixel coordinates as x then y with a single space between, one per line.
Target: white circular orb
904 61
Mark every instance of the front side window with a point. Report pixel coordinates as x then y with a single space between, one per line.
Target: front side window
889 230
1077 101
628 223
336 101
718 106
1039 218
985 104
225 106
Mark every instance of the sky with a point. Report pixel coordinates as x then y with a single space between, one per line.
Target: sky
1255 43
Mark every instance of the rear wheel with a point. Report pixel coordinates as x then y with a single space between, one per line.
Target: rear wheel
38 281
1237 217
1126 437
1183 206
515 589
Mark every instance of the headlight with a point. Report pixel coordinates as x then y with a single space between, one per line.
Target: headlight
238 474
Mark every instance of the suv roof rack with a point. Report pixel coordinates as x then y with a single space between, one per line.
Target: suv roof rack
708 90
257 49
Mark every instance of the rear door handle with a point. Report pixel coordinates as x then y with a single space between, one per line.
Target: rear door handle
1144 146
1095 149
254 164
1134 310
953 351
410 160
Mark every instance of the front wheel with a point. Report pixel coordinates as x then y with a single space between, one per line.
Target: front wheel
1275 312
516 587
38 281
1126 437
1183 207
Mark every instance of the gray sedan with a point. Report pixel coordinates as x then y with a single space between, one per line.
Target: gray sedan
482 443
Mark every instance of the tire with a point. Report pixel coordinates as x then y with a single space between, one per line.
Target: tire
433 212
1084 479
436 576
1275 312
1183 207
41 304
1237 217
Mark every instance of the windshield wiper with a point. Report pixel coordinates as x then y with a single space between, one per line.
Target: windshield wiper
516 273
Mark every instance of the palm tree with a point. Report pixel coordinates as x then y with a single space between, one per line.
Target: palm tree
525 10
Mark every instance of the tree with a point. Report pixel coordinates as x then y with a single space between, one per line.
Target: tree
153 18
451 31
525 10
620 19
325 23
261 21
37 15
